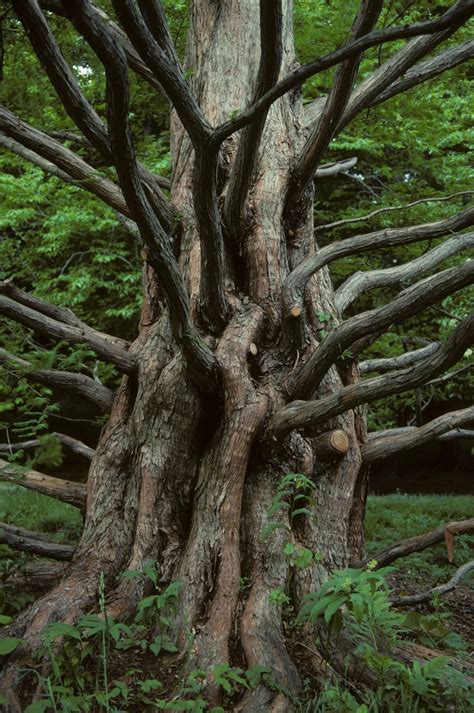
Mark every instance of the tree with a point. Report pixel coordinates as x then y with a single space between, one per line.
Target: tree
243 369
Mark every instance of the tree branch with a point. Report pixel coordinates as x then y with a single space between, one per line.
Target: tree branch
104 348
42 150
59 314
418 543
379 211
332 169
360 282
399 362
457 14
324 130
34 543
388 443
65 490
308 414
271 44
73 444
79 384
199 358
439 590
450 375
73 99
295 284
407 304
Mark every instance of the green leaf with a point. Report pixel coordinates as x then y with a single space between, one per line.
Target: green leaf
9 645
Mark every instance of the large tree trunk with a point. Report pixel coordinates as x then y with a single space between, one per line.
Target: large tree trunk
185 479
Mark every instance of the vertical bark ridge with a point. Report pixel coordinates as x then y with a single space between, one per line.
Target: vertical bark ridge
210 568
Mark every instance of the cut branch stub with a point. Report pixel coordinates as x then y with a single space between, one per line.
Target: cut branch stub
331 445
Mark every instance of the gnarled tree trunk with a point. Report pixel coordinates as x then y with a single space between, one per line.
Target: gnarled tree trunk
189 462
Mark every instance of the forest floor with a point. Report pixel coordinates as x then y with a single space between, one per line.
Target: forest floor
389 518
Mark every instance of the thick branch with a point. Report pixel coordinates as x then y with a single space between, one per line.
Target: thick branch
104 348
73 444
419 543
308 414
200 360
33 542
439 590
78 384
65 490
407 304
293 289
324 130
335 167
52 156
363 281
387 444
399 362
167 71
120 37
271 30
72 97
456 15
59 314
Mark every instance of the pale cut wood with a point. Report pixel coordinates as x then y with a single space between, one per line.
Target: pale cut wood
331 445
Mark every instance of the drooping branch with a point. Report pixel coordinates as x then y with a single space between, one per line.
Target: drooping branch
295 284
271 52
308 414
419 543
39 147
439 590
363 281
78 384
389 209
59 314
390 442
73 444
324 130
71 96
200 359
457 14
104 348
398 362
65 490
34 543
408 303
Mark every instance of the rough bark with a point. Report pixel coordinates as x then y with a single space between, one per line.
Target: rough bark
67 491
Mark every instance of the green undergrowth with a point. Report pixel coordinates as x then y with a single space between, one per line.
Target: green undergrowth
394 517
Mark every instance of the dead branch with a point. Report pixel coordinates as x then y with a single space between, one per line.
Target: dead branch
34 543
459 13
439 590
104 348
379 211
398 362
65 490
73 444
78 384
295 284
360 282
387 443
324 130
34 576
410 302
418 543
271 28
199 358
332 169
450 375
308 414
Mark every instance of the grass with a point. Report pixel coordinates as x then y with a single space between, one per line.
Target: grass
395 517
389 518
24 508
